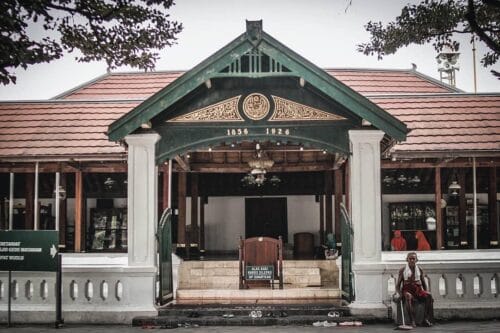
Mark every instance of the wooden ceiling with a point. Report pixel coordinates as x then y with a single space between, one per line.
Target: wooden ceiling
234 158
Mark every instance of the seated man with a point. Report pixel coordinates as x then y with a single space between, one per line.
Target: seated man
411 285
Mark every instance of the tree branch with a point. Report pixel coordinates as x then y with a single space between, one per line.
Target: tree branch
470 15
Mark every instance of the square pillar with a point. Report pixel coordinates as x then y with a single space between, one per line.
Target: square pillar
142 199
366 219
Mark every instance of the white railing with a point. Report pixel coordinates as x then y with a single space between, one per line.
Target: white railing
95 288
458 280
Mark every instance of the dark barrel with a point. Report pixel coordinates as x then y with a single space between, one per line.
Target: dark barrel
303 245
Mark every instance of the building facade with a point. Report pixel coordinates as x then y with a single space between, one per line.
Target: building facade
255 140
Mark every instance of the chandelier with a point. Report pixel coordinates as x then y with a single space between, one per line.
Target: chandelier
259 165
401 181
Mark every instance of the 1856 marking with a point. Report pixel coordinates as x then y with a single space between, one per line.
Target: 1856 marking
237 131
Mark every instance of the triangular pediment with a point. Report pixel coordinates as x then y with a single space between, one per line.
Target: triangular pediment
226 110
255 55
287 110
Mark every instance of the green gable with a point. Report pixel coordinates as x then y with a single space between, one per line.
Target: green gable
255 64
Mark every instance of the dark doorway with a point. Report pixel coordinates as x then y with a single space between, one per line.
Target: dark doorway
266 217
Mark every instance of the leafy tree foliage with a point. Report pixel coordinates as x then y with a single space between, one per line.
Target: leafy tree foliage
438 22
120 32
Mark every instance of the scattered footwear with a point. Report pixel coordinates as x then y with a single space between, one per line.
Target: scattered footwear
427 323
324 324
350 323
328 324
228 315
333 314
169 327
283 314
255 314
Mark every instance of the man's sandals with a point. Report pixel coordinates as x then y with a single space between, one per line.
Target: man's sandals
426 323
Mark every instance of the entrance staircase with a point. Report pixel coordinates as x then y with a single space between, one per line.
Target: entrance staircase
217 282
208 294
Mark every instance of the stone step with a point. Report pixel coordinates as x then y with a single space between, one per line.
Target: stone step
197 278
224 271
211 263
224 274
176 315
324 264
200 282
214 310
302 320
288 295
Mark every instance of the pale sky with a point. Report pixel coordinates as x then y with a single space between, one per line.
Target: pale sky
322 31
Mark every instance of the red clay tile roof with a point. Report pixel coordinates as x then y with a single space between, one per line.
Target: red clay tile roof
74 126
383 82
59 129
364 81
446 123
123 86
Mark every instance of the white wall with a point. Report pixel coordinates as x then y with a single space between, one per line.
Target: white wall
303 216
225 220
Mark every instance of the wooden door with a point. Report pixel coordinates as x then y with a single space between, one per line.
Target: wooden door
266 217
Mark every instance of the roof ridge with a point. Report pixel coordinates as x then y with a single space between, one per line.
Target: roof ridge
423 95
70 101
161 71
405 70
68 92
435 81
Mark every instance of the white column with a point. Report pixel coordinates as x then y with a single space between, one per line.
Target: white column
366 218
142 199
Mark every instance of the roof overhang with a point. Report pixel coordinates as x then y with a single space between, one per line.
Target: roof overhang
226 64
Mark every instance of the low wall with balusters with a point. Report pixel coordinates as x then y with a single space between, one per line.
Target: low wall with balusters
464 284
95 289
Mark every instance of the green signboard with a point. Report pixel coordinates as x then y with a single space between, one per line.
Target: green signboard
28 250
262 272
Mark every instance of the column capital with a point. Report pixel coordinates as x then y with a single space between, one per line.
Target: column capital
142 138
365 135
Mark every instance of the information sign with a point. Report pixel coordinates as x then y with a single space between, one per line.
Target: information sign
262 272
28 250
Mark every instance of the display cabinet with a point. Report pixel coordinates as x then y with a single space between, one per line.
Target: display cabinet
107 230
410 217
452 227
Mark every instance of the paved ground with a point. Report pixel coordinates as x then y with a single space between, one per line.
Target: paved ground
468 326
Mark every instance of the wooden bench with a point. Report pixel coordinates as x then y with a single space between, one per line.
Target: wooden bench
261 261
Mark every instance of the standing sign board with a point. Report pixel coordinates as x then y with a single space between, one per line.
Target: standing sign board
262 272
27 250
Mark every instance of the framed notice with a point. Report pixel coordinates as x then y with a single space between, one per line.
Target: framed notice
261 272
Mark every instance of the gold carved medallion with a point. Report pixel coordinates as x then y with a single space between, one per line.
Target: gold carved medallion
256 106
285 109
226 110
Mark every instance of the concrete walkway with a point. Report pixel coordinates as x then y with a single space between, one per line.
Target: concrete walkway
468 326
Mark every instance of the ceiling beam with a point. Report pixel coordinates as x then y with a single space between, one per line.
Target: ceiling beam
244 168
108 167
480 163
183 163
